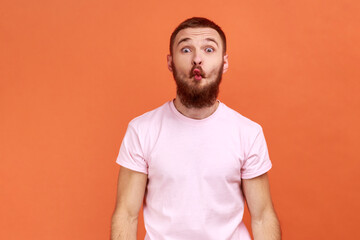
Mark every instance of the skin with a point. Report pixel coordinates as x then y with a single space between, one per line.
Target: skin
131 189
198 50
132 185
264 221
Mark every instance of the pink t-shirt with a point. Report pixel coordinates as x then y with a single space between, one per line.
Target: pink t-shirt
194 170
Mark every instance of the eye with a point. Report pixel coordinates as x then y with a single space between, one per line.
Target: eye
209 49
185 50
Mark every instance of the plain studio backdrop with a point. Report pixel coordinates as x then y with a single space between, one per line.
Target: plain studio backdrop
74 73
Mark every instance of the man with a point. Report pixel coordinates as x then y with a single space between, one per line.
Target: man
194 160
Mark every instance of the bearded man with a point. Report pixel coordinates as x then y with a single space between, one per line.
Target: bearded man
193 162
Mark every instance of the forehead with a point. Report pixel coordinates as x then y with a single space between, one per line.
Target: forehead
198 34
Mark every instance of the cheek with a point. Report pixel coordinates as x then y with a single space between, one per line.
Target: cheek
182 59
215 70
181 64
214 67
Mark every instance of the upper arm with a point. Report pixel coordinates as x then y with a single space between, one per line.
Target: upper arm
257 195
130 192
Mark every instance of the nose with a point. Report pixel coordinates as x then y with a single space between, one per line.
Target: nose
197 59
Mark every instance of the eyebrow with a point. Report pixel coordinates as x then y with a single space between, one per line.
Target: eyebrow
212 40
187 39
183 40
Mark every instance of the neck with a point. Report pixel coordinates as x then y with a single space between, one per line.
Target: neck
195 113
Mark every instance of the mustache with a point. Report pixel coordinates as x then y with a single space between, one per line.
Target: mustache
199 68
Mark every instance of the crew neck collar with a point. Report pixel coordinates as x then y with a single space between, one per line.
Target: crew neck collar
193 120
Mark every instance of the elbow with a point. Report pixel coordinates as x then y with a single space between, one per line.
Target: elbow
268 216
266 226
124 215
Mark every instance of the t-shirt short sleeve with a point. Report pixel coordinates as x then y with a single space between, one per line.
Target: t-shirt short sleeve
257 161
131 154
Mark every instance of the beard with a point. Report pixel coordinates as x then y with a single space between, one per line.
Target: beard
194 96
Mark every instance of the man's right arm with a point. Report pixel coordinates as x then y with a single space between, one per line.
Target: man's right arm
130 196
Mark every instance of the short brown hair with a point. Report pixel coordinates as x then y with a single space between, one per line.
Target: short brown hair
197 22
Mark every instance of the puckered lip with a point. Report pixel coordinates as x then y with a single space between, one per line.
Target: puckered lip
197 72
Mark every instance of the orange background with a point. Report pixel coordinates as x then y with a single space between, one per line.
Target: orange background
74 73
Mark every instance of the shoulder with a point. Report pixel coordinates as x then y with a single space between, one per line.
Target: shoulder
146 127
242 123
149 118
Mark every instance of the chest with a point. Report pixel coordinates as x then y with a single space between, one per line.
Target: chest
210 154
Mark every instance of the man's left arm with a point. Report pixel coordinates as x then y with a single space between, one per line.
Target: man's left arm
264 222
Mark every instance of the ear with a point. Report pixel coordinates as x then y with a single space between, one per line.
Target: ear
169 61
226 63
